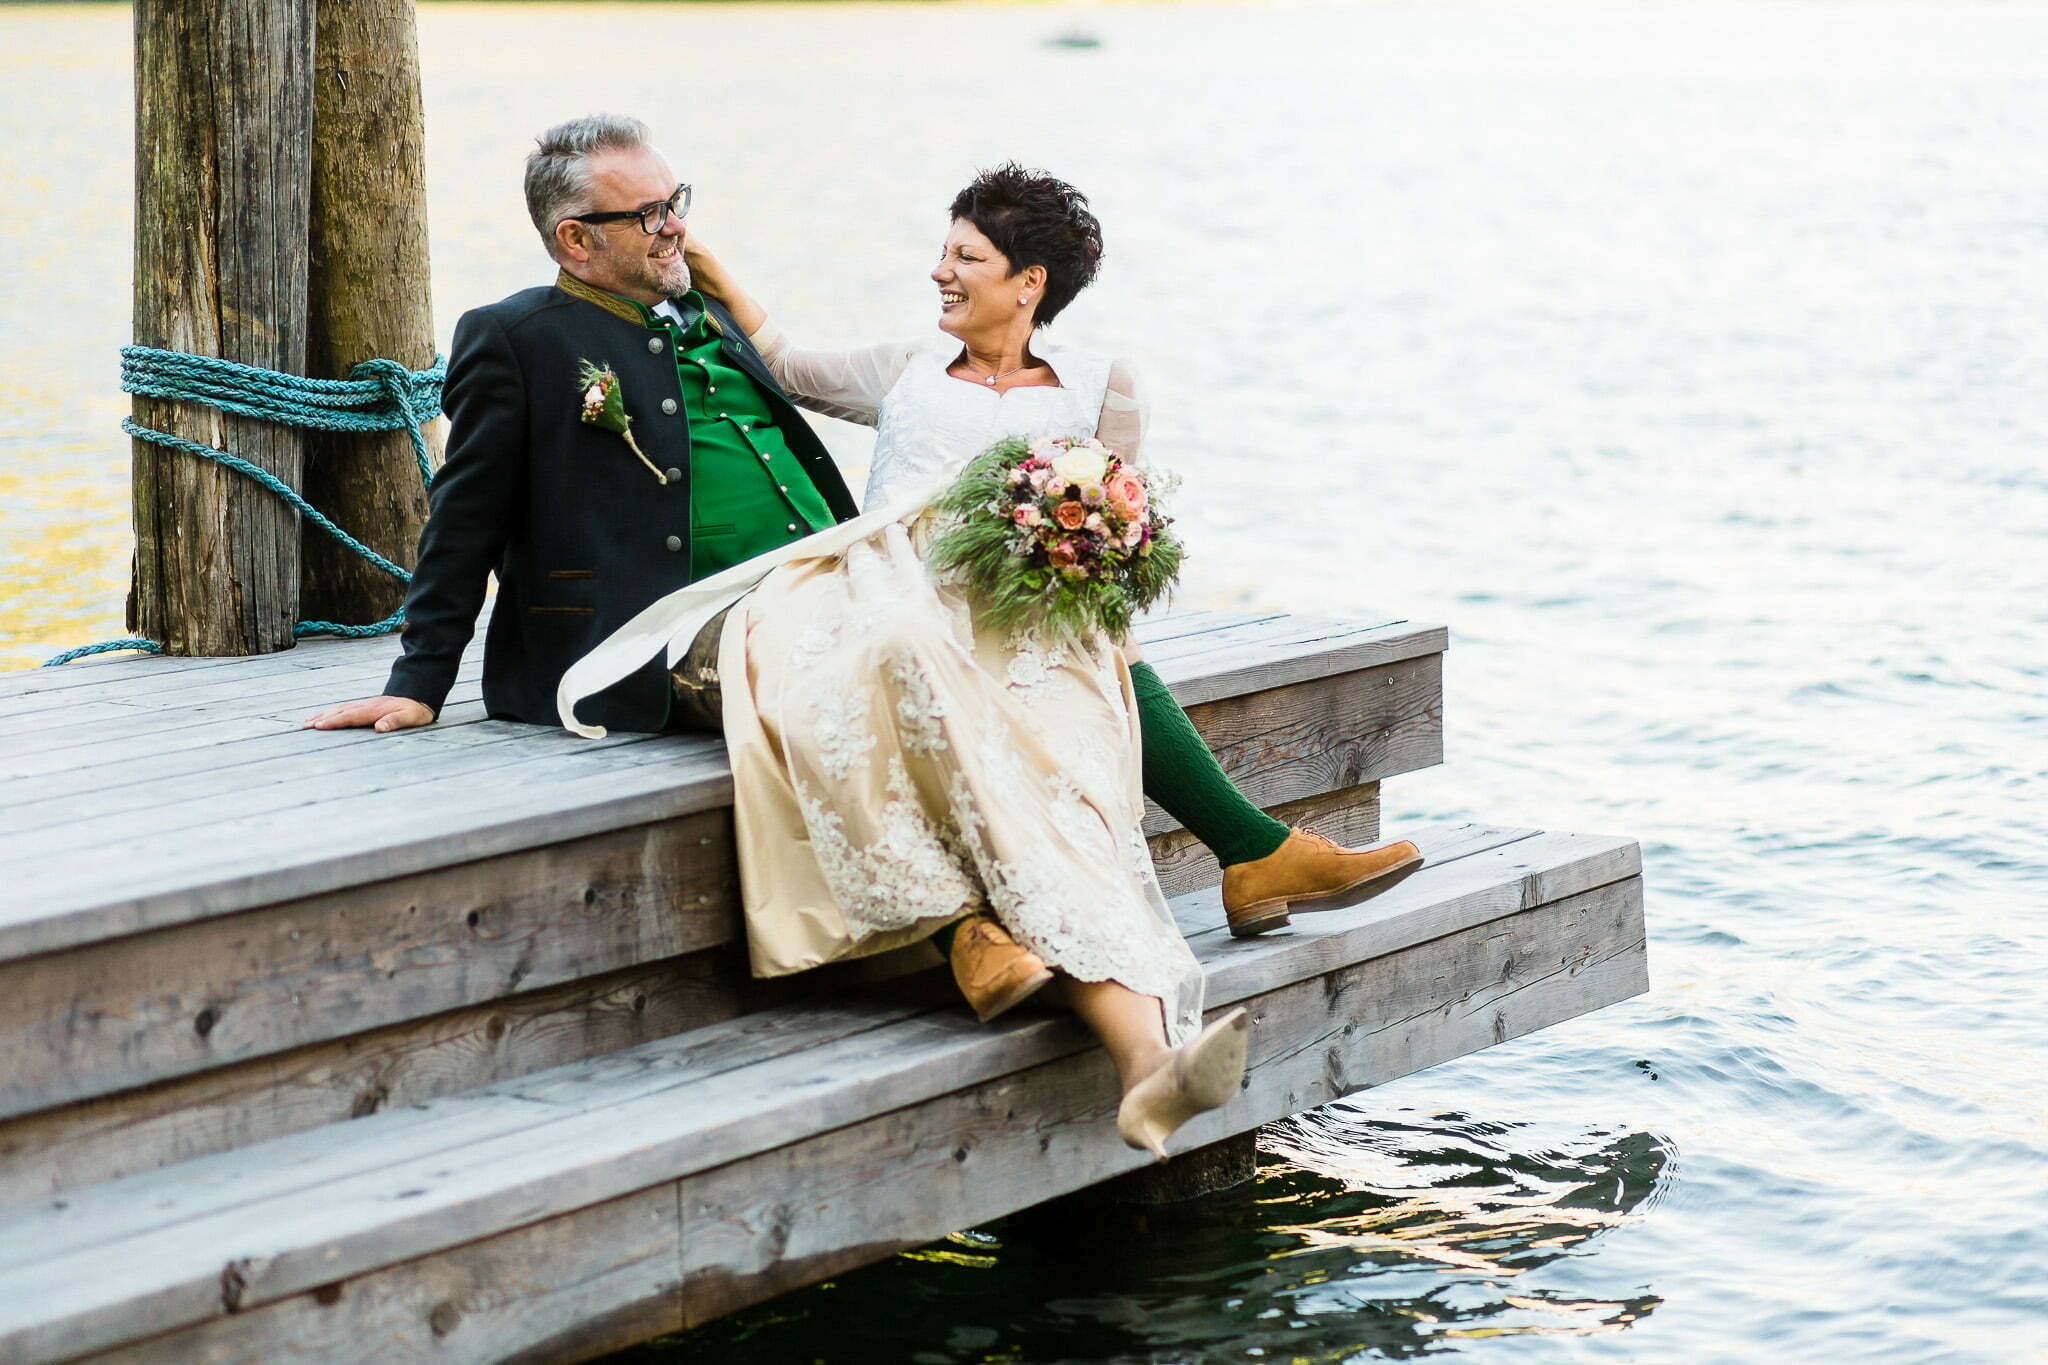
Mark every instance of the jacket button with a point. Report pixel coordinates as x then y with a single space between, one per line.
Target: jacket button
792 528
655 344
668 405
674 475
675 542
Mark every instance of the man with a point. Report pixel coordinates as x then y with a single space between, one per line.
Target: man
585 525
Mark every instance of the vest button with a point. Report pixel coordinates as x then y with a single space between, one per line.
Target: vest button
792 528
655 344
668 405
674 475
675 542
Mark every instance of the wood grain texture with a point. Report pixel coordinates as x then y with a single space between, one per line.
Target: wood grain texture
599 1279
51 1152
330 822
140 1009
145 1008
819 1207
223 141
1323 735
368 294
304 1210
290 1085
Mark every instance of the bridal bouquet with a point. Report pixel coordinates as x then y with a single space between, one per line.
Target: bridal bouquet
1057 534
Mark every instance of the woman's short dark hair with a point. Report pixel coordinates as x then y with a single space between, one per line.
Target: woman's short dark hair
1036 220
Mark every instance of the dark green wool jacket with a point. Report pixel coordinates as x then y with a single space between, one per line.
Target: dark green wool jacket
580 533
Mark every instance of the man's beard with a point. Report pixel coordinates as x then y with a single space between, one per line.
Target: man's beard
677 281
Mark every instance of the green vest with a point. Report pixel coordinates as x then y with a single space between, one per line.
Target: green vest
748 493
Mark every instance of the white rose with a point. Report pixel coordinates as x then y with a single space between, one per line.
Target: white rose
593 396
1079 465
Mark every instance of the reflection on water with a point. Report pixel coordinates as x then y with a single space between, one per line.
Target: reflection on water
1363 1236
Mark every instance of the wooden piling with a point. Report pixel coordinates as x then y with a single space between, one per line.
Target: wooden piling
223 143
368 293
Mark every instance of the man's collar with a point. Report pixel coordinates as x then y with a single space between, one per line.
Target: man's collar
637 313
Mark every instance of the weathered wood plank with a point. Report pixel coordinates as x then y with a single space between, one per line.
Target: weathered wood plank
1325 734
562 1140
20 794
1296 658
83 1219
797 1212
1280 745
600 1279
429 825
47 1153
148 1007
143 741
135 1010
800 1213
198 1113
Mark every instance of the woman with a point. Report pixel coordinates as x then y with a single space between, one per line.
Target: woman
929 766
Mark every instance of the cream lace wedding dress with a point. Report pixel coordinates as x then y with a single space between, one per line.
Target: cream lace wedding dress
893 765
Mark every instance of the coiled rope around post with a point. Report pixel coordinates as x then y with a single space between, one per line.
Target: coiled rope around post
378 395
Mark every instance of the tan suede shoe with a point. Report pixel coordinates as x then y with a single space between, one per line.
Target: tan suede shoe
1308 872
992 969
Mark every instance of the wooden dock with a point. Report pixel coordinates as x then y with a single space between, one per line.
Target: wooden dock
440 1045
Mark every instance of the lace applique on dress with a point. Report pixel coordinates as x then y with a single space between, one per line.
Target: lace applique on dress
909 874
919 712
838 725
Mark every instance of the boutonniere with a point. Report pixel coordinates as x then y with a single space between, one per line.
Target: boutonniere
604 407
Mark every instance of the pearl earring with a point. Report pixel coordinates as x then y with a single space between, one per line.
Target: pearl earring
1023 299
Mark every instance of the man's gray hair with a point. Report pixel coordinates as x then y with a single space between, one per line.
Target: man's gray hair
558 168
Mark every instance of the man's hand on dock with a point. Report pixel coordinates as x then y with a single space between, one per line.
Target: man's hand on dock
379 713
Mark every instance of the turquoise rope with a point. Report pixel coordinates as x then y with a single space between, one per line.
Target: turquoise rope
378 395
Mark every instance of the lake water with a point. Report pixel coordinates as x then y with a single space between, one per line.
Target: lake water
1685 359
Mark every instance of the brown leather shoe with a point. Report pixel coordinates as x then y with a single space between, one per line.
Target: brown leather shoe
992 969
1308 872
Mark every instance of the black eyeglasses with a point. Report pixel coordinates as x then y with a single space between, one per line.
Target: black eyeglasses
652 217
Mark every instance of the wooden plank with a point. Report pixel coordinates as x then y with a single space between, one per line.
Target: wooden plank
798 1212
412 829
143 741
1280 746
1326 734
353 763
377 765
288 698
197 1113
64 710
1283 662
561 1140
148 1007
20 794
801 1213
1350 816
600 1279
691 1057
46 1154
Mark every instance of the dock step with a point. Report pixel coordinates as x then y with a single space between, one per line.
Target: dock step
588 1206
217 927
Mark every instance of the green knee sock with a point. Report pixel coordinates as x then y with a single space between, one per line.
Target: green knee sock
1185 779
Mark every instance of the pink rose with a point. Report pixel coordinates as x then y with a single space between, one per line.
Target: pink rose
1127 489
1094 523
1027 515
1063 554
1070 515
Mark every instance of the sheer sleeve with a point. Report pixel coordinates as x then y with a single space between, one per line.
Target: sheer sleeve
844 384
1121 425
